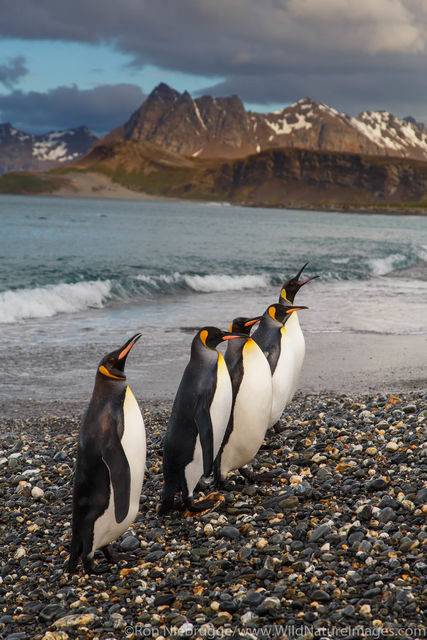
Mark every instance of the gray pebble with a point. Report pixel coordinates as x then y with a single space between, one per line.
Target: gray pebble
319 595
130 543
377 484
229 532
319 532
387 514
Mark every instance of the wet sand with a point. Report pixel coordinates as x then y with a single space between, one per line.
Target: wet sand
336 363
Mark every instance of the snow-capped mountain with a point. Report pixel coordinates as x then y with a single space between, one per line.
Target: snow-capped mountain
399 137
221 127
19 150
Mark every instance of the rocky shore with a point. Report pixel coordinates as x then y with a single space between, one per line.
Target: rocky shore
334 546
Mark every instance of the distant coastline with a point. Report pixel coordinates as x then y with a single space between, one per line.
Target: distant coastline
96 185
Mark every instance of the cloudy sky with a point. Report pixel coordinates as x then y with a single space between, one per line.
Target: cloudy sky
92 62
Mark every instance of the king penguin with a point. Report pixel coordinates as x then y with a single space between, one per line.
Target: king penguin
198 420
272 337
252 396
287 296
110 463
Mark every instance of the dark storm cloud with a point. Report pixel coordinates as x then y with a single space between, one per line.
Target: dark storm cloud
12 71
269 50
101 108
350 93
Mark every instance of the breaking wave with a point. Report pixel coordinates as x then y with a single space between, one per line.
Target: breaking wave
203 284
382 266
89 292
50 300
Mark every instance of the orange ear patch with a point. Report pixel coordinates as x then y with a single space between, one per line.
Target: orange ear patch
272 312
105 372
203 336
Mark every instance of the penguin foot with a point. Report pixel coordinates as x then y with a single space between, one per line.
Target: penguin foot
264 476
201 486
202 506
278 428
176 505
224 485
112 556
90 568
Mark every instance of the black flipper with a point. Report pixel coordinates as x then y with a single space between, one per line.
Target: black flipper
204 427
115 458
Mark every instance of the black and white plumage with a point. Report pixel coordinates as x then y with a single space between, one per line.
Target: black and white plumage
287 296
199 417
252 396
273 339
110 463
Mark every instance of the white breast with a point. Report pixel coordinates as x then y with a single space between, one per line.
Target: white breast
282 378
251 412
221 404
296 337
106 529
220 413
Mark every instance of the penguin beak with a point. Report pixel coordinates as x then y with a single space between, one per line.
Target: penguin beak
230 336
252 321
301 270
292 309
128 346
300 284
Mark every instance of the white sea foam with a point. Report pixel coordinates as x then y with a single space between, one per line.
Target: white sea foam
205 284
48 301
422 252
340 260
382 266
210 283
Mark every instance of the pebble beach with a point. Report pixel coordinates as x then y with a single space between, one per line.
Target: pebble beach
333 547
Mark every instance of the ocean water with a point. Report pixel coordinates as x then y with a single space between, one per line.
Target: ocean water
80 276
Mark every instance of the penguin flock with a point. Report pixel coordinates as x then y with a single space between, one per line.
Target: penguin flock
222 411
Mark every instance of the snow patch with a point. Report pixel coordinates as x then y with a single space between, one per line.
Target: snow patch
52 151
387 131
199 117
282 126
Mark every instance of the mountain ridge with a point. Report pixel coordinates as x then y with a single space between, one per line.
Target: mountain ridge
307 155
26 151
208 127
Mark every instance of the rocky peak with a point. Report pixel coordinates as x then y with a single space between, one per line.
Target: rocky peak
221 127
412 120
163 92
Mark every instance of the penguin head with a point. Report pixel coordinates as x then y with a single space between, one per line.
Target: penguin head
112 365
281 312
210 337
243 325
291 287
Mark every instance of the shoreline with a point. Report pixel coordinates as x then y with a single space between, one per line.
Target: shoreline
335 364
96 185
